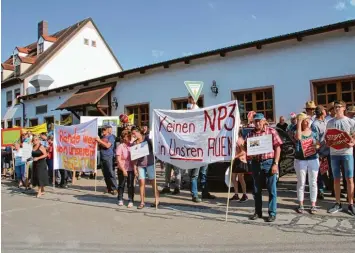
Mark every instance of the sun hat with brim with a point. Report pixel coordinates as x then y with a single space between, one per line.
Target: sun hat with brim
351 109
258 116
302 116
310 105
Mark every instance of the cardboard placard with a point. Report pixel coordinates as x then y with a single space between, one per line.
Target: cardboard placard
308 148
139 150
323 165
337 139
10 136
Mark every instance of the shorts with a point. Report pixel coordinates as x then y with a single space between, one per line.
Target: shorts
346 161
239 167
143 171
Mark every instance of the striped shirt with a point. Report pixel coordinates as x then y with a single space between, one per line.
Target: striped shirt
276 142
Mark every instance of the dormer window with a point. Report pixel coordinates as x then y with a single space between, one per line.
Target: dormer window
17 70
40 48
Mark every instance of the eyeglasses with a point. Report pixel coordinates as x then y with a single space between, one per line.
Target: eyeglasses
338 106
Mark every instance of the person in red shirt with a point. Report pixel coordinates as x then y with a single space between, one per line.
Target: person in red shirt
265 165
50 159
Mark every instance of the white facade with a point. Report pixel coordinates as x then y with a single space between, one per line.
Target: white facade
74 62
287 66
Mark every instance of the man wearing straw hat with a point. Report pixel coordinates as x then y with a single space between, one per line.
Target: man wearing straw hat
351 112
310 109
265 165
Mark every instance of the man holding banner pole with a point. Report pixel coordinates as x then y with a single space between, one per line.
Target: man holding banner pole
263 150
194 173
107 144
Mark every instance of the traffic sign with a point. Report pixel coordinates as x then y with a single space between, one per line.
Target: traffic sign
194 88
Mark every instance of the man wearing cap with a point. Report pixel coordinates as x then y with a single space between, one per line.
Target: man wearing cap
343 157
265 165
106 145
310 108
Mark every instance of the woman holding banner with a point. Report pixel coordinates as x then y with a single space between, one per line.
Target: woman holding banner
40 174
145 166
306 161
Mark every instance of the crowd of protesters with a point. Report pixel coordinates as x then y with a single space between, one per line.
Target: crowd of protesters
119 170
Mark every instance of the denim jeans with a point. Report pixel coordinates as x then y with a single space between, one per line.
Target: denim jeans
122 182
20 172
108 172
203 181
193 178
177 173
262 171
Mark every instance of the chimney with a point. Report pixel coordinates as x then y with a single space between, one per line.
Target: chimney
42 28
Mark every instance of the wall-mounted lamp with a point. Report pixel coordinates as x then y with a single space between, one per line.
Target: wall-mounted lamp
214 88
114 103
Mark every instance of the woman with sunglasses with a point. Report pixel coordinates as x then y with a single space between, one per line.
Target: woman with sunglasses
40 173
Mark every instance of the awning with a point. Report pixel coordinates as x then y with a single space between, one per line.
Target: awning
85 97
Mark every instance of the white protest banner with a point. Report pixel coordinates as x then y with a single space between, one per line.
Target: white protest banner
139 150
193 138
259 145
75 147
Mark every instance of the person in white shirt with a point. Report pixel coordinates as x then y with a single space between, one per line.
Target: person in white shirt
194 173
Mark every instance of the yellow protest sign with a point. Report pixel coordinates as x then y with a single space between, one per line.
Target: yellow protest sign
36 129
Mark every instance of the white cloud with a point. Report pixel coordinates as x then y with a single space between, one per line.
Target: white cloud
253 16
211 5
340 6
157 53
352 2
186 53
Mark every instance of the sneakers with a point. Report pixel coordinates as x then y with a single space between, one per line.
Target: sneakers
244 198
176 191
351 210
271 218
300 209
255 216
120 203
130 205
235 197
196 199
336 208
166 190
208 196
314 210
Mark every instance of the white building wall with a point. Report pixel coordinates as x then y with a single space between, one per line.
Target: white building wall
78 62
288 66
52 101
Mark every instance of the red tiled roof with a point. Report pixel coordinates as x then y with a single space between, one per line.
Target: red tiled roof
23 50
30 60
49 38
8 66
85 97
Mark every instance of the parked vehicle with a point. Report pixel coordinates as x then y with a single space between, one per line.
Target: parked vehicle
216 171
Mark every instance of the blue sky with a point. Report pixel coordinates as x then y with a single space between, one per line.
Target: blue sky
142 32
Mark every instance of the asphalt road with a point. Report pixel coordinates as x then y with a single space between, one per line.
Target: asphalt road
80 220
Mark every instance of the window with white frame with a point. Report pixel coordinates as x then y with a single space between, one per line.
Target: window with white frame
41 109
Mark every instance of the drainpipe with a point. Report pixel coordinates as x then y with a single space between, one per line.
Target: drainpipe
23 114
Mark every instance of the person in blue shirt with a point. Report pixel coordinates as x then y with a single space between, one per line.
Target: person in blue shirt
106 146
